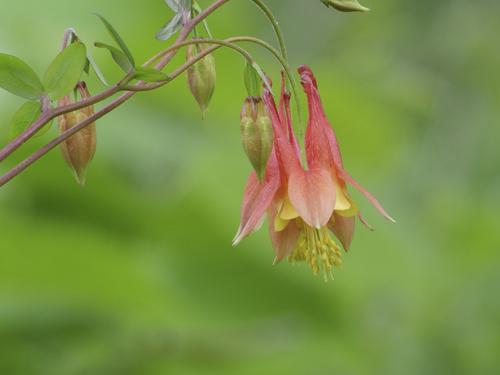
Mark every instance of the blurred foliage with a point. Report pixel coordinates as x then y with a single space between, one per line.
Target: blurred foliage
135 274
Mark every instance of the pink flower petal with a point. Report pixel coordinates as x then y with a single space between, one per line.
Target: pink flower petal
285 152
285 240
321 143
364 222
343 228
286 116
312 193
257 199
366 193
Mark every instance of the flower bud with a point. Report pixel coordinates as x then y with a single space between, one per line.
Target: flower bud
201 76
79 149
346 5
256 134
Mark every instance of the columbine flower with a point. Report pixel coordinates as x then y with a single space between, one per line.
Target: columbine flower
304 205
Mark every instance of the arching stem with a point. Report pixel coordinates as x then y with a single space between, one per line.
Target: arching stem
274 23
229 43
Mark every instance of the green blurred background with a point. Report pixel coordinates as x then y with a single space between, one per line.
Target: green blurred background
135 273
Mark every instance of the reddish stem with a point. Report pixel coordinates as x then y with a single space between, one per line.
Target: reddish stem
37 125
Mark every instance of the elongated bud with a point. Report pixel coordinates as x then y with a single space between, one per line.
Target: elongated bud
201 76
79 149
256 134
346 5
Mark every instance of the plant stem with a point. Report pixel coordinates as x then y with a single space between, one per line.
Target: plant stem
61 138
283 63
228 43
68 34
277 30
165 57
188 64
220 43
49 115
281 40
188 28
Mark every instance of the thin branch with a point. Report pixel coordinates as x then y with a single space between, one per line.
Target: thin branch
228 43
274 23
61 138
11 147
50 115
218 44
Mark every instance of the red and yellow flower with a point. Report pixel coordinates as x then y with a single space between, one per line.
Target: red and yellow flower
304 205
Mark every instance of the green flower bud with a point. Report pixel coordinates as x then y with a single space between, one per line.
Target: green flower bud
201 76
256 134
346 5
79 149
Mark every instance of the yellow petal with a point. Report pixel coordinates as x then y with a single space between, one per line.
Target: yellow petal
352 211
279 223
342 203
288 212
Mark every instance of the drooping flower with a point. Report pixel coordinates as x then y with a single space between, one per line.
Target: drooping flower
305 204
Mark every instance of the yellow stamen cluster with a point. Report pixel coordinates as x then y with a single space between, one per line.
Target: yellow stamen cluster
316 247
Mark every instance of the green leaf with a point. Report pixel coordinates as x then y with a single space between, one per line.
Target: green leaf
18 78
64 72
90 64
179 5
150 75
174 5
346 5
96 70
262 76
197 10
117 38
170 28
44 129
252 80
120 58
24 117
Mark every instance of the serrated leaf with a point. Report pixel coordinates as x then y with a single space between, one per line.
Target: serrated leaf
170 28
120 58
65 70
118 39
18 78
150 75
252 80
